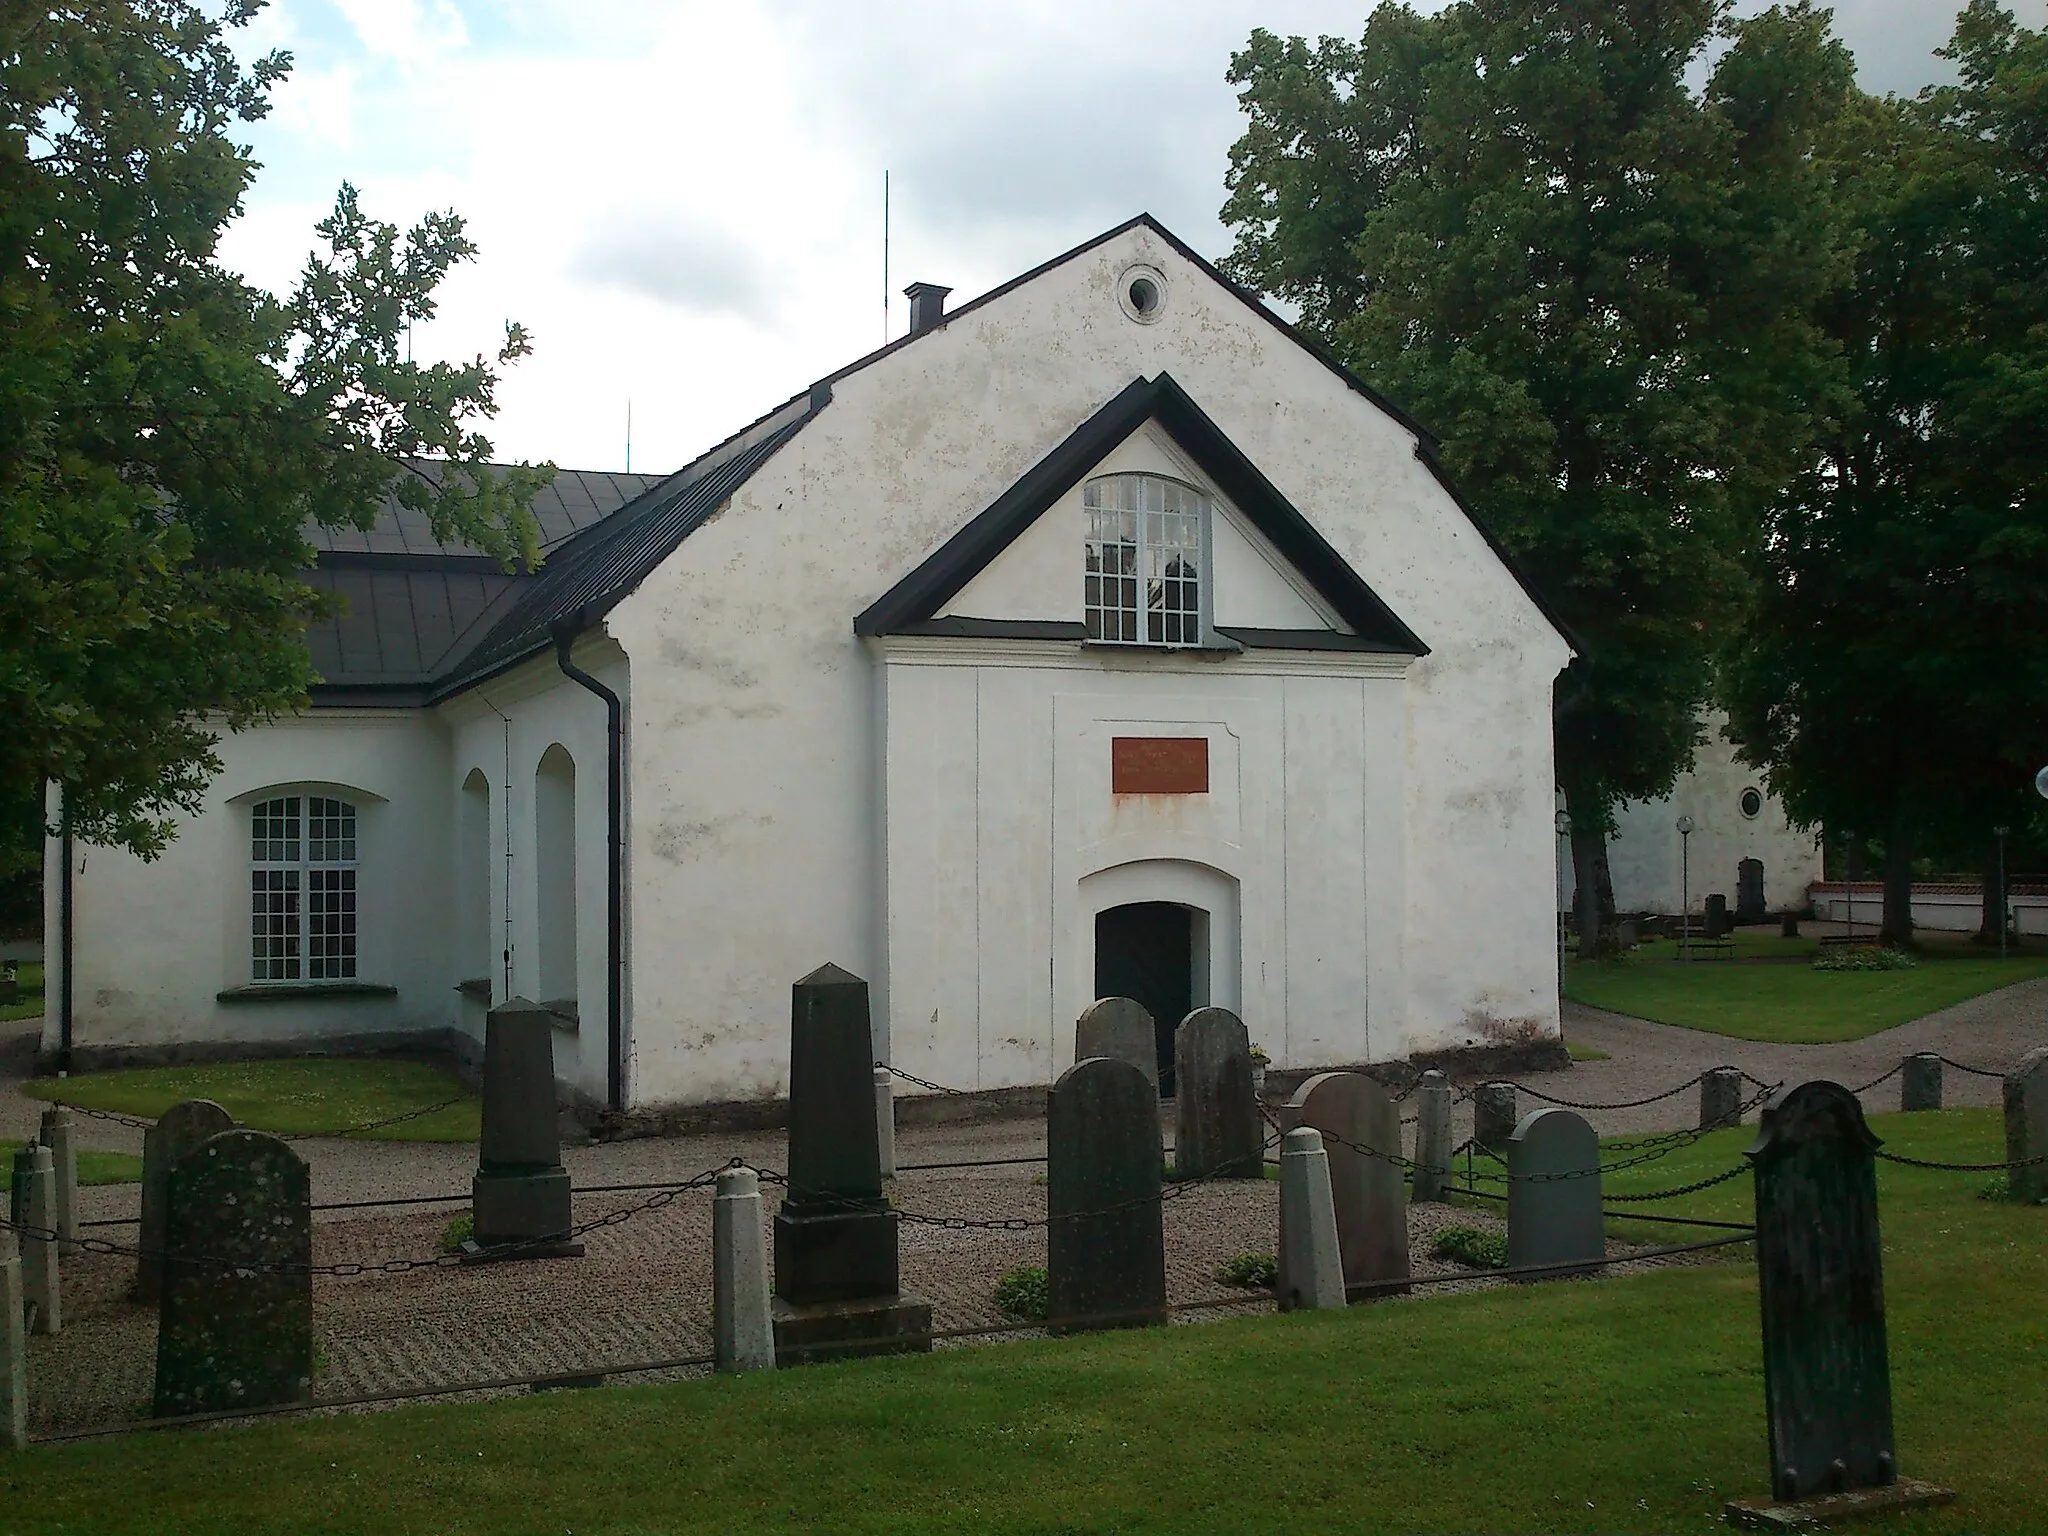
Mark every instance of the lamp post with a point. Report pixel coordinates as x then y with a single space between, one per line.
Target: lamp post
1564 831
1685 887
1999 833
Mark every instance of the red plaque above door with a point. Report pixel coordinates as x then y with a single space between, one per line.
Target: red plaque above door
1159 765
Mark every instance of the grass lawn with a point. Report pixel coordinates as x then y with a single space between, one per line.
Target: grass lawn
289 1098
1792 1003
1579 1052
93 1167
1629 1405
30 1004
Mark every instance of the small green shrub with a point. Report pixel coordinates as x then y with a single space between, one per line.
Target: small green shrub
457 1232
1253 1271
1845 958
1471 1247
1022 1292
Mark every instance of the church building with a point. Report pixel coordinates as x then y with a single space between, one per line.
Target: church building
1100 636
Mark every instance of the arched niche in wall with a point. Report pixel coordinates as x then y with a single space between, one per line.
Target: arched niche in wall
1153 925
475 960
554 826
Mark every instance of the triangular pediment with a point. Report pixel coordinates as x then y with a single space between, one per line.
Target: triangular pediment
1277 576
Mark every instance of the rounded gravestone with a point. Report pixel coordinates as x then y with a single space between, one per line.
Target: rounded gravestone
1361 1127
1215 1108
177 1133
1105 1240
2026 1127
1119 1027
1554 1193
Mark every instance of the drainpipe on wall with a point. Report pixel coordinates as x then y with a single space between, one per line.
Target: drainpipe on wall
565 632
64 953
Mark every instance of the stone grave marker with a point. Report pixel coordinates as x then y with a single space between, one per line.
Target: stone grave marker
1431 1177
1217 1129
1353 1112
1788 925
235 1322
59 1135
521 1204
1717 924
1493 1117
1920 1082
1827 1376
1720 1098
1554 1194
1105 1240
180 1129
2026 1127
837 1289
1121 1028
13 1348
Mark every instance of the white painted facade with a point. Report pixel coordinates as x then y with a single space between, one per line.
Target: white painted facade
1371 868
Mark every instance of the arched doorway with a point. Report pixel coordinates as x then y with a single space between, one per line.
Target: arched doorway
1148 951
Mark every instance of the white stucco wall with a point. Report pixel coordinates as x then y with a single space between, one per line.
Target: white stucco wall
765 735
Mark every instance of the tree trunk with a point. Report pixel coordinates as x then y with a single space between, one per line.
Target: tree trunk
1592 916
1992 923
1896 930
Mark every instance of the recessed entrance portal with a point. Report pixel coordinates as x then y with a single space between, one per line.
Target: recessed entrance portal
1146 951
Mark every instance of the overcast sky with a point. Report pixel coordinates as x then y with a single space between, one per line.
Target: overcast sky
683 200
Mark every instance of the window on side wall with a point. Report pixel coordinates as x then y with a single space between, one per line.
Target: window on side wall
302 889
1147 561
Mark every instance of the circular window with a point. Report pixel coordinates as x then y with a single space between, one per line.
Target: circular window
1752 804
1141 291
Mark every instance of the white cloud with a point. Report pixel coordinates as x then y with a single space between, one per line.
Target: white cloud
409 30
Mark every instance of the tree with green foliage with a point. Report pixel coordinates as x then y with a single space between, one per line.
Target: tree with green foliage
1895 677
1595 283
168 431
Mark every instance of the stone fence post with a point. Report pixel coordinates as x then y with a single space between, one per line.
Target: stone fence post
1920 1082
1720 1098
743 1333
1432 1173
1311 1266
1493 1117
40 1285
13 1348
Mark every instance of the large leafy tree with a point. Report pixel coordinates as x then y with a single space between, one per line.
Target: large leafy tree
1594 282
1895 680
167 430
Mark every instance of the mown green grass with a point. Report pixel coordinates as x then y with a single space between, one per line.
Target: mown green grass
1623 1406
93 1167
30 1004
288 1098
1792 1003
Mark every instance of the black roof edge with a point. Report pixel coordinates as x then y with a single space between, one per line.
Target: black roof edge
1307 640
916 599
408 695
996 629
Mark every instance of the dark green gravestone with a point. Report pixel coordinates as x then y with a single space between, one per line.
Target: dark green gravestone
2026 1127
1554 1194
521 1205
1920 1081
1105 1236
181 1130
836 1276
235 1318
1216 1125
1820 1275
1119 1027
1352 1111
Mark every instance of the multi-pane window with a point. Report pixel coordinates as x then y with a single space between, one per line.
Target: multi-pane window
1146 550
302 889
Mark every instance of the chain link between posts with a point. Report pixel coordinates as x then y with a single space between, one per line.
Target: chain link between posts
139 1123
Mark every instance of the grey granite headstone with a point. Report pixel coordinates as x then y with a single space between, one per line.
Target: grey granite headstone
1920 1082
1119 1027
1216 1125
13 1349
59 1134
1105 1238
1493 1117
180 1129
1554 1193
521 1201
836 1276
235 1324
1720 1098
1820 1279
1432 1174
2026 1127
1358 1119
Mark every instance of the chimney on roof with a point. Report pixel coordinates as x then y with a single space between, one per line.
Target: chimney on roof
927 306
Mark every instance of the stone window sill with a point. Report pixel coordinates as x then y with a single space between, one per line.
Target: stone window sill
478 987
298 991
564 1011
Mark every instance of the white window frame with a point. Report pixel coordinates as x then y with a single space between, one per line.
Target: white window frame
1134 548
305 920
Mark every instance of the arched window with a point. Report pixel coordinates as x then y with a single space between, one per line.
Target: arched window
302 889
554 825
1147 558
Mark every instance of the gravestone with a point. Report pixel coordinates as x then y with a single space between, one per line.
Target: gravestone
1749 891
1493 1117
58 1134
1720 1098
177 1133
1717 924
1554 1194
235 1323
1431 1178
1105 1237
521 1206
1119 1027
1627 933
2026 1127
1216 1122
836 1278
41 1282
1788 925
1920 1082
1827 1378
1311 1264
1357 1119
13 1349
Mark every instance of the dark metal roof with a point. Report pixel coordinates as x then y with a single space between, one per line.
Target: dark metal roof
575 500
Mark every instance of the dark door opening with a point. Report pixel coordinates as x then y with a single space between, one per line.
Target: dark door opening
1146 951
